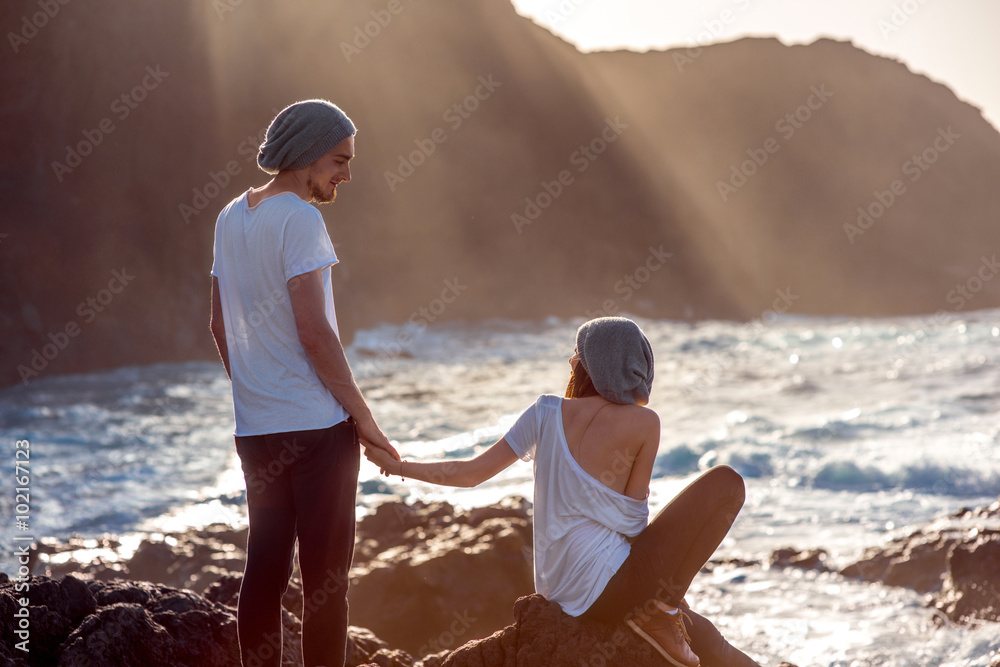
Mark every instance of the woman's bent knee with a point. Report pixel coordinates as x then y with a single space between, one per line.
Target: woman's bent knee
730 483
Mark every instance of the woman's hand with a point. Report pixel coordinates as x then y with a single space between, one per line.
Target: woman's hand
372 438
464 473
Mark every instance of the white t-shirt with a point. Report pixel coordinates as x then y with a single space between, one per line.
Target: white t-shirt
257 250
580 525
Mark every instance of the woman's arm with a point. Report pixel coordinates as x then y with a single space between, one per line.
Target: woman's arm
465 473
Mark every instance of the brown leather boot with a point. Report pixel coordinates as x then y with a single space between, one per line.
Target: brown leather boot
666 632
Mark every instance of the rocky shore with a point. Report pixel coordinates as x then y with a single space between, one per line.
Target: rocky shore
954 560
432 586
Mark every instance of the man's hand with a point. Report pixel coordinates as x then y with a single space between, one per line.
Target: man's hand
371 436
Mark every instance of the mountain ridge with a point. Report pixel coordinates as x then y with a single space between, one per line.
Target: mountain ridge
643 227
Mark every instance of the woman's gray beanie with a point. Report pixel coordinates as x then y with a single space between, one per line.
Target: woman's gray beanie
303 133
618 358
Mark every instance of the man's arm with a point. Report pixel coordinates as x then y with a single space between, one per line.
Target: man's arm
327 355
219 326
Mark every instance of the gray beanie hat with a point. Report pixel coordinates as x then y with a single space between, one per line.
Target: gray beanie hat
303 133
618 358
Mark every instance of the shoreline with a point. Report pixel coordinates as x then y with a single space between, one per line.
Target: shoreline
417 582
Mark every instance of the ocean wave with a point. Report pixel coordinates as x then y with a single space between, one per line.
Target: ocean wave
680 460
683 460
754 465
854 426
926 477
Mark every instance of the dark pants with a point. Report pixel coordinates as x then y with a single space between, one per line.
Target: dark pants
300 484
668 554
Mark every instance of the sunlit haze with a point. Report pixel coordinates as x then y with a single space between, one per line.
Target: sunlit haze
953 43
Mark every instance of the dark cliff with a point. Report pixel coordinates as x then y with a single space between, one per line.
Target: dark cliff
691 184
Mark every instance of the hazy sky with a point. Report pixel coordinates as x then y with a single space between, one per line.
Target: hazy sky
954 42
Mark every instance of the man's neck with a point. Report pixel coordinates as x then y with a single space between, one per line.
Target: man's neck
283 182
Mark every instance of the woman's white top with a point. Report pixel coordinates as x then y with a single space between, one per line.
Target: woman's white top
580 525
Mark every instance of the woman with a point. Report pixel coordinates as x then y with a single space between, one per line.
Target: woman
593 455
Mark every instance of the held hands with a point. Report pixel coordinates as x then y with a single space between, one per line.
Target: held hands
374 440
387 464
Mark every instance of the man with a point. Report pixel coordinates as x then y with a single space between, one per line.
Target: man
299 413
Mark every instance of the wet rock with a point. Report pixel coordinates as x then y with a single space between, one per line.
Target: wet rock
917 561
957 560
188 560
192 559
990 512
972 585
810 559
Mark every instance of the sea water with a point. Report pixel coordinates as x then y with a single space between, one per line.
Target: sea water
848 432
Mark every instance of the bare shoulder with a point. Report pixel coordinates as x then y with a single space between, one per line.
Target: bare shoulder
649 417
641 419
641 413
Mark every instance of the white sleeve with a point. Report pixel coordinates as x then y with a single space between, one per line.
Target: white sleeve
523 435
307 244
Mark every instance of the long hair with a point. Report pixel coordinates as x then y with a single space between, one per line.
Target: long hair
580 385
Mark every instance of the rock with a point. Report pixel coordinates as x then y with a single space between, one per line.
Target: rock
8 657
192 559
393 524
226 590
917 561
188 560
150 624
55 609
82 624
390 658
810 559
956 559
419 582
991 512
362 643
121 634
972 586
543 635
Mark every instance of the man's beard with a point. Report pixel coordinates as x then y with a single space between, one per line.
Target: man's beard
316 193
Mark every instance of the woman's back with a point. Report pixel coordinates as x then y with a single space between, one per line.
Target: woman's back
581 523
615 444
